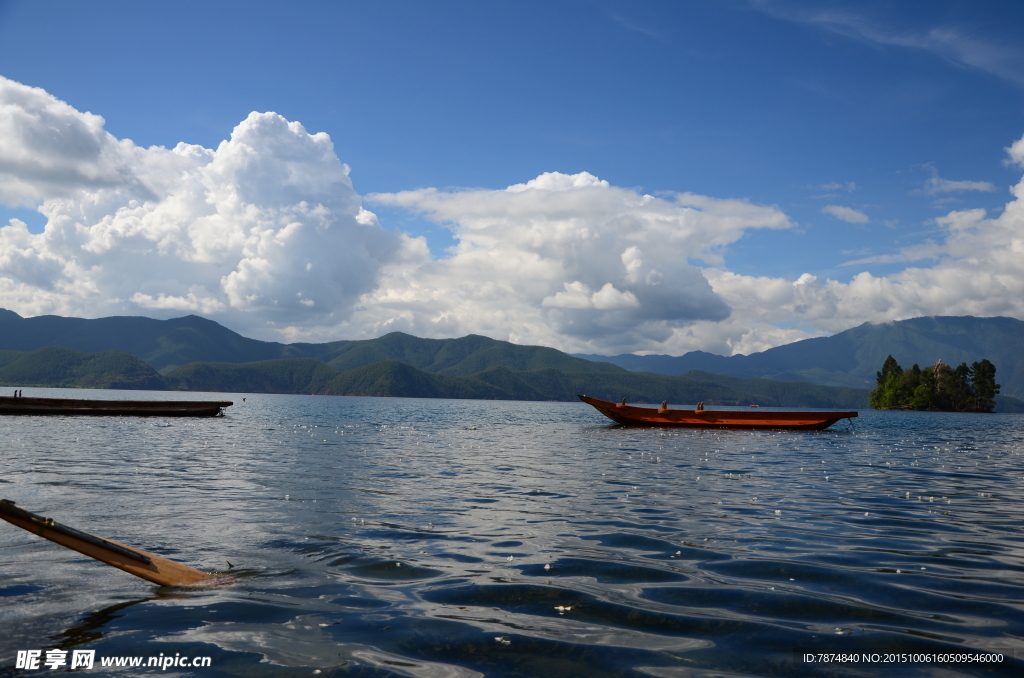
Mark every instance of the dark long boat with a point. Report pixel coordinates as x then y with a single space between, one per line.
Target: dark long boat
801 420
132 408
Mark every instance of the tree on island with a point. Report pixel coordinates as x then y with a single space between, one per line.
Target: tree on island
939 387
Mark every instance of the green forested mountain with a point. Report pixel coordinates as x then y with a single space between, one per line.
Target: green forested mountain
851 358
394 378
285 375
163 344
53 366
168 344
193 353
61 367
452 357
65 368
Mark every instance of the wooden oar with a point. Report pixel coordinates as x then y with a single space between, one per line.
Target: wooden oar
135 561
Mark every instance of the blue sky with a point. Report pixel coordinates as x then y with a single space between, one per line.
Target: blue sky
893 114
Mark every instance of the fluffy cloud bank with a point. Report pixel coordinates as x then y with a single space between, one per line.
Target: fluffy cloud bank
564 260
265 231
266 234
572 262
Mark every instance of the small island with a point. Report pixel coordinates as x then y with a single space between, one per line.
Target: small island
938 388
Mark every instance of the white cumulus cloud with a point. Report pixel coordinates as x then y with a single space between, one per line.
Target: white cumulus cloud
563 260
266 234
49 149
265 231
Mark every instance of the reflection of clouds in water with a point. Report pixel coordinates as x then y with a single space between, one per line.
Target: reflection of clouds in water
451 489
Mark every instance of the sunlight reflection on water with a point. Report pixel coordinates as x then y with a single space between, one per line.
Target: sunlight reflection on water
431 537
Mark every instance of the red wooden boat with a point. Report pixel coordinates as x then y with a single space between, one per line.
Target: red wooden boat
630 415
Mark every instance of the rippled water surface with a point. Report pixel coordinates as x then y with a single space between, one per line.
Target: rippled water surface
402 537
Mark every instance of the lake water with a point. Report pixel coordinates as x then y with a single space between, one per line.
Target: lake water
405 537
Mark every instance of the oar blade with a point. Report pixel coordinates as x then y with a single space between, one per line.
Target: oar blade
144 564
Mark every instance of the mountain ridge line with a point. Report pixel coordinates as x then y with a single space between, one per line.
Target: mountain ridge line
501 369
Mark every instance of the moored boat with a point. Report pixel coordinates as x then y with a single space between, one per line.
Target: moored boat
800 420
134 408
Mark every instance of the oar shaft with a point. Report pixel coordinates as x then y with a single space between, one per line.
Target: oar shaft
148 566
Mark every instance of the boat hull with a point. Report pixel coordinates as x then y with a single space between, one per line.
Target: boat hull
630 415
128 408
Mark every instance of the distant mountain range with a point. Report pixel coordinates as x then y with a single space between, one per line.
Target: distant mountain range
169 344
852 358
196 354
193 353
61 367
